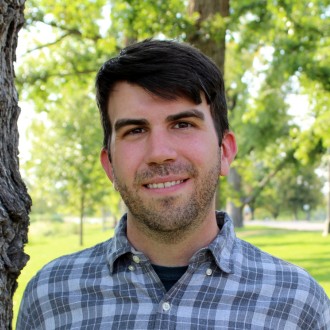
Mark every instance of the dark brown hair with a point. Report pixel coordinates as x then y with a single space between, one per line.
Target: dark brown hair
168 69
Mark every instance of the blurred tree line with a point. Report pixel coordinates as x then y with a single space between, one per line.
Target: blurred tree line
268 51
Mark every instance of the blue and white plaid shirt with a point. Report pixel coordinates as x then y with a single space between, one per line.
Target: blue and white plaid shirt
228 285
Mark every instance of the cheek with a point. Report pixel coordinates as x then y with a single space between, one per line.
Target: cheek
126 161
203 150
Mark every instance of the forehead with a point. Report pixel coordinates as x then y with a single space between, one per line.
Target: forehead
130 100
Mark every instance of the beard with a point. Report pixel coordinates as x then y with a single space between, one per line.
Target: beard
169 219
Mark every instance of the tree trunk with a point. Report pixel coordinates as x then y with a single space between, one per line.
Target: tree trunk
236 213
215 48
326 231
295 214
15 203
235 209
208 45
217 51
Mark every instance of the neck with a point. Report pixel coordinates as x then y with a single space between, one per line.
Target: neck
180 246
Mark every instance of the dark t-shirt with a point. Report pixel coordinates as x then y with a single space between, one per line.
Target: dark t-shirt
169 275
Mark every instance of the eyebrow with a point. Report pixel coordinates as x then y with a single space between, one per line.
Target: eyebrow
120 123
186 114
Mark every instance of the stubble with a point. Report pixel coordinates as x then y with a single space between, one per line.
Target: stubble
169 219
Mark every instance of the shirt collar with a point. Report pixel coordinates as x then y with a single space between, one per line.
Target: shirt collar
119 244
221 247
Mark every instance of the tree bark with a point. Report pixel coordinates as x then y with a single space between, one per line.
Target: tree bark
15 202
208 45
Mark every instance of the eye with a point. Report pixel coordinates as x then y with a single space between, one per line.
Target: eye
135 131
183 124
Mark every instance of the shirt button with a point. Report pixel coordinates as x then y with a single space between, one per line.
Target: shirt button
166 306
209 272
131 268
136 259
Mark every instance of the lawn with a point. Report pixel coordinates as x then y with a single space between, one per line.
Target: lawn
47 241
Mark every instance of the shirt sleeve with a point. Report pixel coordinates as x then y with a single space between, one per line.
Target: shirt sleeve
24 318
324 323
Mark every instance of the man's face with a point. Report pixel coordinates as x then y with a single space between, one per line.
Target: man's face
165 158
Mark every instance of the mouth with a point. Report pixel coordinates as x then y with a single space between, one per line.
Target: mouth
163 185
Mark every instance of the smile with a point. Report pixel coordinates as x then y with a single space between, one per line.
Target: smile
163 184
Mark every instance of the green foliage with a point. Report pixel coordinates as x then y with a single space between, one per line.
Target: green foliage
288 42
298 34
273 49
66 156
135 20
296 188
64 172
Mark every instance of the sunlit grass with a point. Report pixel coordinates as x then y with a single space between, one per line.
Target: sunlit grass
48 241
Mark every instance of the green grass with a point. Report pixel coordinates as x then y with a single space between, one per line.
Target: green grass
48 241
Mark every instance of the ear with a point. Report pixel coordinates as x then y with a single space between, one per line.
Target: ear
106 164
228 152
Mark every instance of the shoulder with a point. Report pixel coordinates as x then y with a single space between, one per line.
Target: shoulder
280 280
92 254
67 284
58 279
280 285
249 258
71 268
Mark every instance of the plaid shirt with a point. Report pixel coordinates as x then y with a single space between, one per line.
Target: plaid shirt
228 285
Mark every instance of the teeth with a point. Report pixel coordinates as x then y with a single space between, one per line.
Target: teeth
164 184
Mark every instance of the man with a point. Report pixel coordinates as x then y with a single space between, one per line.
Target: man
174 262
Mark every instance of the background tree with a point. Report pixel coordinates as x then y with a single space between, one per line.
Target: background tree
268 51
66 149
285 38
14 200
296 190
67 141
249 117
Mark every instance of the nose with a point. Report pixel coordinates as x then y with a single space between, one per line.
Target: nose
160 148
